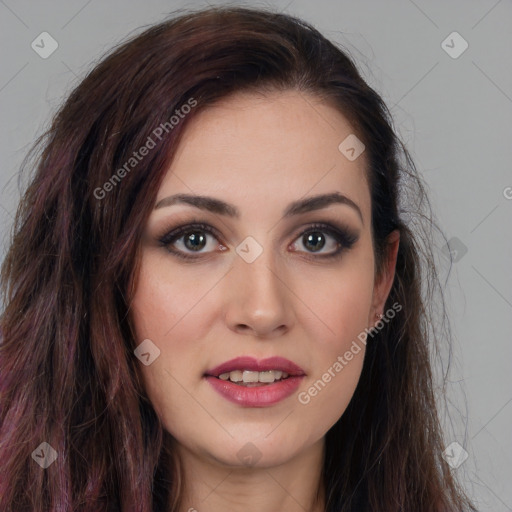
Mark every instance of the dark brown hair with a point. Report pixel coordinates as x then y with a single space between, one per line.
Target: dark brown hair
68 375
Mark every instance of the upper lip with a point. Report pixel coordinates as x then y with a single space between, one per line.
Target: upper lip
256 365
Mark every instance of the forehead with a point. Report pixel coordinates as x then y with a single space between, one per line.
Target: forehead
252 149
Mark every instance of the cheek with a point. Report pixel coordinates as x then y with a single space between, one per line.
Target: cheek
336 360
341 301
165 309
164 295
172 307
337 301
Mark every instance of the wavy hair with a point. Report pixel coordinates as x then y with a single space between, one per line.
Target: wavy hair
68 374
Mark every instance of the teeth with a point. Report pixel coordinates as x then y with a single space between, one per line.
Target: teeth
269 376
248 376
235 376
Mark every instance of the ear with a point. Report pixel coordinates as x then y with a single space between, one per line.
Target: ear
384 281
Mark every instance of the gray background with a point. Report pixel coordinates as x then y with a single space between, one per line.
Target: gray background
453 113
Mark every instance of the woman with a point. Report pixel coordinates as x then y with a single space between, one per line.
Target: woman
212 300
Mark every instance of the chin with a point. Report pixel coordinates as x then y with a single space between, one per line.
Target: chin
253 452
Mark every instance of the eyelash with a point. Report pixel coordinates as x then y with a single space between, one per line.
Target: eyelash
343 236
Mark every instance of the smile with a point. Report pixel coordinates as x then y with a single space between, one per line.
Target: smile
249 382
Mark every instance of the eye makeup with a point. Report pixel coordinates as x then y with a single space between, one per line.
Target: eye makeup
343 236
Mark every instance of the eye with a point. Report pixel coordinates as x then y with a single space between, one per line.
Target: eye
315 241
189 239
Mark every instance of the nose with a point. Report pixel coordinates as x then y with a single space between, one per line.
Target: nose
258 297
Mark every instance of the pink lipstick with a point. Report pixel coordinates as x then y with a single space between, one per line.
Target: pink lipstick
250 382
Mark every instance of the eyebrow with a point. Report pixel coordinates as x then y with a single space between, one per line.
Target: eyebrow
295 208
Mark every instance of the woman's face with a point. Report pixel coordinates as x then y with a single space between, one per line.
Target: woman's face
264 283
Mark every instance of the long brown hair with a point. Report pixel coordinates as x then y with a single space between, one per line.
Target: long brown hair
68 374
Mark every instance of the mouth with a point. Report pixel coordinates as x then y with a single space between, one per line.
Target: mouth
248 371
255 383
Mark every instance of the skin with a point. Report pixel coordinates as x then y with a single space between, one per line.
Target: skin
259 153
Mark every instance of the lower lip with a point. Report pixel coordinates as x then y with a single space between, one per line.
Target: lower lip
257 396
